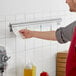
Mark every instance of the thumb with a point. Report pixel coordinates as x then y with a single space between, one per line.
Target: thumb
21 31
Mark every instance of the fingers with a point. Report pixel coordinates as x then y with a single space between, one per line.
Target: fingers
22 33
25 33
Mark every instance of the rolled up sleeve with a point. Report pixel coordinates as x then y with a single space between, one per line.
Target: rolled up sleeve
64 34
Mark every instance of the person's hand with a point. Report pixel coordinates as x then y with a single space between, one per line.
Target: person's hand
26 33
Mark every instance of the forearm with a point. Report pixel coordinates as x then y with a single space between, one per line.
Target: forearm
47 35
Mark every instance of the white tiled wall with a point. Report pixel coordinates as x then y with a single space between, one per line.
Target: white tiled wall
42 53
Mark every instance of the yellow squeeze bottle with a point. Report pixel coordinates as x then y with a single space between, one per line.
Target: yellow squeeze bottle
30 70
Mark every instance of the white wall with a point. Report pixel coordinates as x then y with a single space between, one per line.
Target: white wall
26 6
41 52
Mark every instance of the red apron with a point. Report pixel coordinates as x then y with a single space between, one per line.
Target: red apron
71 59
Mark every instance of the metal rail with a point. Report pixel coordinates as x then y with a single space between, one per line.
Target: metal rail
54 20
